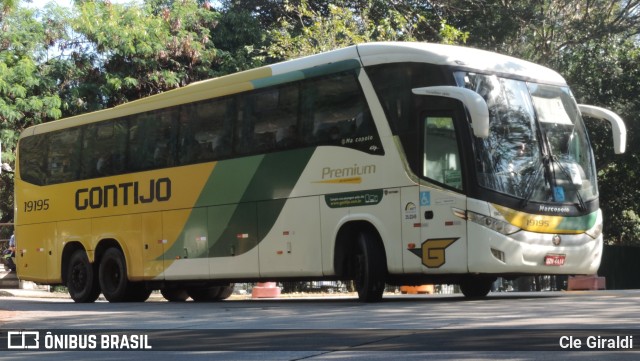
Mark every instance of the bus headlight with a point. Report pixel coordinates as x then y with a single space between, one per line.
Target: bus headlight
497 225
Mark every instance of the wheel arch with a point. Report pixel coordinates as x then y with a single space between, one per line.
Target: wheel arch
69 249
104 245
346 244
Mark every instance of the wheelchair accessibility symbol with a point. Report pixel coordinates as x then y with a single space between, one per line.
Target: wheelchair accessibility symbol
425 198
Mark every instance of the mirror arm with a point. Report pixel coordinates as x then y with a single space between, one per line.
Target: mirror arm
474 102
617 125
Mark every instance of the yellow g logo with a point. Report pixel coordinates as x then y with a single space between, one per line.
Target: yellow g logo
433 254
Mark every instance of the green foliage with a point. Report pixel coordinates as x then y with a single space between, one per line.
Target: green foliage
310 32
630 226
26 97
452 35
305 28
143 50
238 37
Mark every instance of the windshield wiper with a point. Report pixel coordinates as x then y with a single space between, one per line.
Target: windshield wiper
581 205
542 166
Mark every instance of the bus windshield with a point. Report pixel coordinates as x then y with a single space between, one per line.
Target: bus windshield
537 148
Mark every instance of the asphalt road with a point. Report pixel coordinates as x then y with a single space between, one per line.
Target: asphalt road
514 326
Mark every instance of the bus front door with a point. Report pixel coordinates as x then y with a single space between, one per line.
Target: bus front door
440 204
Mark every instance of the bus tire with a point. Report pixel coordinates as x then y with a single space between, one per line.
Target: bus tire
113 276
226 292
369 269
174 294
82 282
207 294
476 286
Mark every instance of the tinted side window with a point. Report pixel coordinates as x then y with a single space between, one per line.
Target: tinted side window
33 159
63 158
441 156
325 110
336 112
104 148
152 140
267 120
393 84
205 131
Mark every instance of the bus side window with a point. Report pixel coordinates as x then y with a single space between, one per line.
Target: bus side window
33 156
152 140
164 136
272 116
63 158
103 149
441 160
336 113
205 132
243 127
285 117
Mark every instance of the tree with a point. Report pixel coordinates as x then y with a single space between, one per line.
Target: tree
6 6
309 27
240 38
136 51
27 96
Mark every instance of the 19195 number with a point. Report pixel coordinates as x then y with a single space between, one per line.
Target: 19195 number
37 205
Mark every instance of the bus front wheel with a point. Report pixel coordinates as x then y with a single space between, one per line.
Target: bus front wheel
82 282
370 269
113 276
476 286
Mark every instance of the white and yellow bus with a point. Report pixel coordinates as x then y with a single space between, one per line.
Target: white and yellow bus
397 163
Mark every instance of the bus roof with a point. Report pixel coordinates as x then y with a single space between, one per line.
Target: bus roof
367 54
457 56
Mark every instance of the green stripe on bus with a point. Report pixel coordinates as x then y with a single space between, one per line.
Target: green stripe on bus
582 223
277 174
240 194
278 79
229 181
336 67
261 203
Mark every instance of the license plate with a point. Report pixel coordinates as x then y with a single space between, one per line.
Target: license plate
554 260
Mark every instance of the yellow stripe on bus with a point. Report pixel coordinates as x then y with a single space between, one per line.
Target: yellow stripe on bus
534 222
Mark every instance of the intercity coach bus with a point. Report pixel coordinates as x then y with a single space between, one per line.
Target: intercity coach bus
381 163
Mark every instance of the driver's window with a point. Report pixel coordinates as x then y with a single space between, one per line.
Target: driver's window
441 159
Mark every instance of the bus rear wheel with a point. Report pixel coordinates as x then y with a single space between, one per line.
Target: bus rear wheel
207 294
211 294
226 291
113 276
174 294
476 286
82 282
369 269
